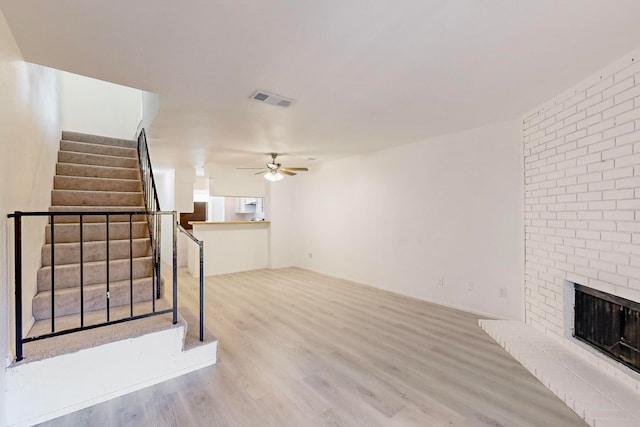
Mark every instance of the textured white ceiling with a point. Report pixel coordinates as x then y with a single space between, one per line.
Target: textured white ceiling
365 74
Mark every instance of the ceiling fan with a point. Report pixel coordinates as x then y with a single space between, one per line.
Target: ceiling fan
274 171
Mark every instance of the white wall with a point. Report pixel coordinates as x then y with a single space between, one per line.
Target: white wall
149 110
184 189
582 176
165 186
100 108
216 209
402 218
230 248
29 138
281 208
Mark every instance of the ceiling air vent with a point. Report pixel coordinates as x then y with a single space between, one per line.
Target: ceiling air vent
271 99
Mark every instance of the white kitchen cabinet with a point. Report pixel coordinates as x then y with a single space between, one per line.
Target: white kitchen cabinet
248 204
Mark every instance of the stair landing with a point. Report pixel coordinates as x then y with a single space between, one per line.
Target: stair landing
69 343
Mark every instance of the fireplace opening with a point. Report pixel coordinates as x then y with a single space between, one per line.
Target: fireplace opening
609 323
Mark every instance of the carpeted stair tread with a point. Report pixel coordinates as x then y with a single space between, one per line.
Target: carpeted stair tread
97 139
96 208
88 147
62 182
97 159
67 300
96 218
96 231
68 275
69 253
96 317
71 343
95 198
97 171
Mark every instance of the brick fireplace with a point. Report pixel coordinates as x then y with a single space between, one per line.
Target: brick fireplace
582 193
582 240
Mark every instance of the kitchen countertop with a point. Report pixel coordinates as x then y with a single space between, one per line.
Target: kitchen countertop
228 222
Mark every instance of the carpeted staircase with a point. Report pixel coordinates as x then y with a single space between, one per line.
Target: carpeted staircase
95 173
76 370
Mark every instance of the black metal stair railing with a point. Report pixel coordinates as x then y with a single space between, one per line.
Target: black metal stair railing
153 216
151 203
155 229
18 217
200 244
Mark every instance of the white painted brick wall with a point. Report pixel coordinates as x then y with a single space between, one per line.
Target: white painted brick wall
582 192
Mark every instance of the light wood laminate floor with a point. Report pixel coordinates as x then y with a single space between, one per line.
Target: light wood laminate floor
302 349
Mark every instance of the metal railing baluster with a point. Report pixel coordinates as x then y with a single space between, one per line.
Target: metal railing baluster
108 290
201 245
131 262
159 256
153 274
53 276
81 270
17 233
175 268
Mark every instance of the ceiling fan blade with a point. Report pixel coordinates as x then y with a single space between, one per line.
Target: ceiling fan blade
298 169
263 171
286 172
251 168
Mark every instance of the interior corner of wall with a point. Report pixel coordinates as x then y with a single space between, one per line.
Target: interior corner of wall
149 108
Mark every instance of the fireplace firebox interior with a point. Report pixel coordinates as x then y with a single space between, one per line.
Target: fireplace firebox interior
609 323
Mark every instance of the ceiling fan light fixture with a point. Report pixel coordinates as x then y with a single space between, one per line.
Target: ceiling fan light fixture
273 176
275 172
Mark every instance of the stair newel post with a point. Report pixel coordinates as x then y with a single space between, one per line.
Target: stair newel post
174 220
81 270
131 263
108 294
158 252
52 220
18 282
155 278
201 245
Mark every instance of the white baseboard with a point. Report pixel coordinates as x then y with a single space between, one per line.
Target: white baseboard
456 307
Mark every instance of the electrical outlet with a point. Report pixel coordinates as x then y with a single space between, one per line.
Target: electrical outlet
441 281
503 292
469 286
